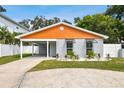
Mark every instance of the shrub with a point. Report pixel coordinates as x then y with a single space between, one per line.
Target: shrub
66 56
70 52
99 56
75 57
91 54
57 55
108 56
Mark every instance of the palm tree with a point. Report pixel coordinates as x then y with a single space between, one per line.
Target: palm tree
5 36
2 34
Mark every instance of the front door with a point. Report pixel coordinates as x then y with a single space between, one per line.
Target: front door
52 49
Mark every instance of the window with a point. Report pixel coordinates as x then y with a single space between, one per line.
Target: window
69 45
89 46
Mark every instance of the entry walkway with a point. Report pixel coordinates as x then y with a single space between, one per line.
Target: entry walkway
12 73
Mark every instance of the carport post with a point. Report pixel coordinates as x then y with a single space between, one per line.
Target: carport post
21 49
32 49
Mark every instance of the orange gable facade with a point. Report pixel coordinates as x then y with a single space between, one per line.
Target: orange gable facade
61 32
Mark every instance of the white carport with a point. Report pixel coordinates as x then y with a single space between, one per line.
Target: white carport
36 41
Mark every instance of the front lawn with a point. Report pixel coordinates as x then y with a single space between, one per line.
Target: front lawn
116 64
7 59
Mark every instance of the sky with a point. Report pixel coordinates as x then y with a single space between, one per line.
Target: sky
68 12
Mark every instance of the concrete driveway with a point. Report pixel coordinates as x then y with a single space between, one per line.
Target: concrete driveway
12 73
74 78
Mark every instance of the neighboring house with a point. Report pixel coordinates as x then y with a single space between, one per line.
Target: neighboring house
12 25
61 37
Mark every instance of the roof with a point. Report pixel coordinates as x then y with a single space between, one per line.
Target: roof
69 25
9 19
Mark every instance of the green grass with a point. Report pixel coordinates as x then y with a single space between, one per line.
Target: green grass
116 64
7 59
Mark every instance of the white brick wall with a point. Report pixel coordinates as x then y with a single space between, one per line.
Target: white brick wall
61 47
79 47
98 46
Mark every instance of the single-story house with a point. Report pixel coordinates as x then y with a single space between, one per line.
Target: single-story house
58 38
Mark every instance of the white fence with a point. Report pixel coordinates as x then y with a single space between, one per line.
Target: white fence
6 50
112 49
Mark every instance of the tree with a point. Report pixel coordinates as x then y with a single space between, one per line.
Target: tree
25 23
103 24
40 22
7 37
116 11
56 19
76 19
66 21
2 9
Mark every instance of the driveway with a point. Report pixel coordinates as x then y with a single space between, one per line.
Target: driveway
74 78
12 73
